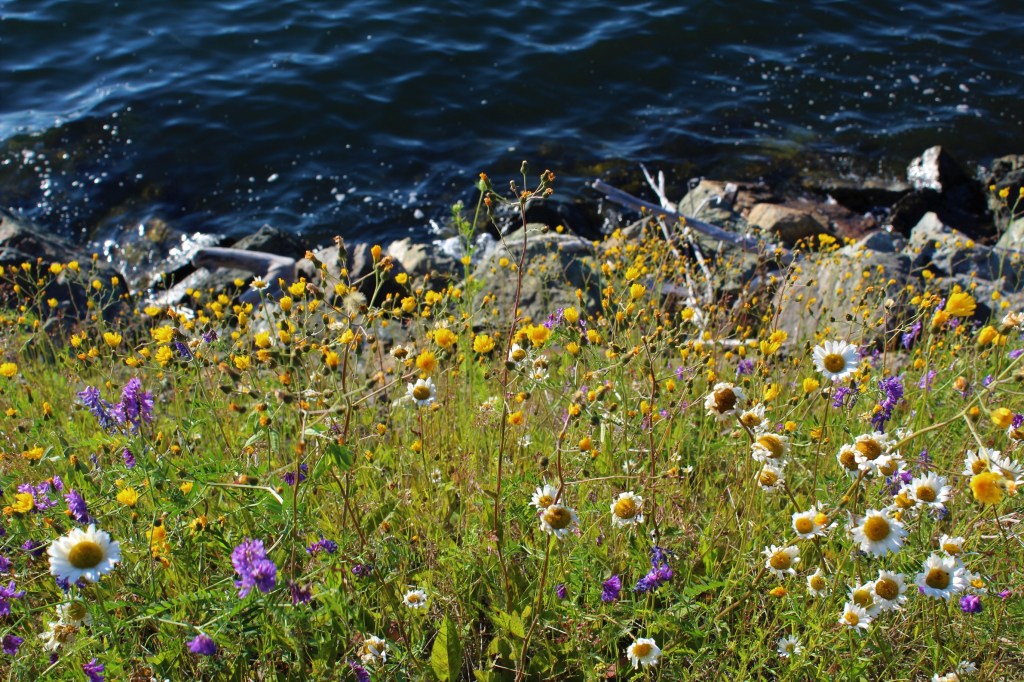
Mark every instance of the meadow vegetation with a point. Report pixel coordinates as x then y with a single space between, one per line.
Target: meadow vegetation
648 486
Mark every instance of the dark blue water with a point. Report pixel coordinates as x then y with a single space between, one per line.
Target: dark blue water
368 118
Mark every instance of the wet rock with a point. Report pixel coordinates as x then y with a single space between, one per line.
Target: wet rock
941 186
273 240
787 223
860 195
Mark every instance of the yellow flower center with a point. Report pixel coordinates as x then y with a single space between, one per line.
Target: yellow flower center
725 399
821 518
978 466
780 561
557 517
888 469
848 458
421 392
626 508
85 554
951 549
851 618
545 501
803 525
937 579
834 362
876 528
818 583
773 444
869 447
641 650
903 502
518 354
925 493
887 589
768 478
862 597
413 598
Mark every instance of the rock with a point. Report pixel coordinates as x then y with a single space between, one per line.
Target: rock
713 202
575 217
423 260
842 222
941 186
357 259
1005 175
787 223
827 293
885 242
860 195
556 265
1012 237
273 240
947 252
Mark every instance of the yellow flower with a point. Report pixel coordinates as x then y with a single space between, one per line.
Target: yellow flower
483 343
426 362
262 340
152 310
988 487
185 487
960 304
445 338
128 497
332 359
112 339
637 291
401 278
375 251
164 355
1002 417
163 334
516 418
23 504
285 303
538 334
987 335
8 369
297 288
241 361
56 268
771 392
811 385
408 304
34 454
571 315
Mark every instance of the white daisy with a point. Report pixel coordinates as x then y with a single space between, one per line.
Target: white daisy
978 462
423 391
870 447
863 596
975 583
627 510
85 554
890 590
806 524
558 519
753 418
847 458
769 447
854 616
770 477
928 490
966 668
517 354
374 650
415 599
817 584
878 534
58 635
953 547
544 496
836 359
643 652
781 560
789 646
539 372
941 578
74 613
724 400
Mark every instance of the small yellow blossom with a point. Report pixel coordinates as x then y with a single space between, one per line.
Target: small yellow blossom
128 497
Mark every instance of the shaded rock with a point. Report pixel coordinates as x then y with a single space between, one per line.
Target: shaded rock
841 221
885 242
1012 237
860 195
576 217
1006 174
357 260
715 202
273 240
828 293
948 252
941 186
424 260
787 223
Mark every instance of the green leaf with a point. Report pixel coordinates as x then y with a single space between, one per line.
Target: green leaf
340 456
446 654
511 623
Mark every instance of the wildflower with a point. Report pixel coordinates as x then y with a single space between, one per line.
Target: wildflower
659 574
250 561
74 613
300 594
892 395
415 599
953 547
86 554
445 338
817 585
93 670
290 477
928 490
769 446
806 525
1001 417
723 400
539 372
789 646
422 392
6 595
941 578
863 596
854 616
202 645
561 591
77 507
544 496
136 405
426 362
878 534
128 497
516 354
770 478
8 369
359 671
129 458
483 344
100 408
643 652
11 643
988 487
844 397
980 461
58 635
889 590
322 545
869 447
781 560
910 336
836 360
960 304
23 504
627 510
558 519
374 650
970 603
611 588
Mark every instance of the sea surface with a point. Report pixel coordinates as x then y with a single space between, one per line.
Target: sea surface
368 119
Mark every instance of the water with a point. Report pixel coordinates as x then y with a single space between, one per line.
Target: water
367 119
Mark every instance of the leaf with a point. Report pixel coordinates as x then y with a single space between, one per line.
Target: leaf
446 654
340 456
511 623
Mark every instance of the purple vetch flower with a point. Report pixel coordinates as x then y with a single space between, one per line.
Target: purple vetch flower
323 545
183 351
924 460
210 336
362 570
202 645
844 396
58 483
11 644
301 594
136 405
561 591
40 495
99 407
970 603
1005 594
129 458
76 505
987 380
255 569
6 595
926 380
5 564
1018 419
910 336
610 589
554 319
359 671
289 476
659 574
745 366
1016 353
93 670
36 549
892 395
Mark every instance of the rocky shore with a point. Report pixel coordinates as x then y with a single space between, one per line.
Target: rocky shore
941 222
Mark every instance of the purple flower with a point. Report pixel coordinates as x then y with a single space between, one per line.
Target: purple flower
58 483
561 591
323 545
210 336
5 564
970 603
202 645
1005 594
255 569
136 405
987 380
910 336
745 366
362 570
1016 353
93 670
183 350
610 589
11 644
892 395
77 507
926 380
659 574
6 595
556 318
1018 419
359 671
129 458
924 460
839 398
99 407
40 495
300 594
36 549
289 477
